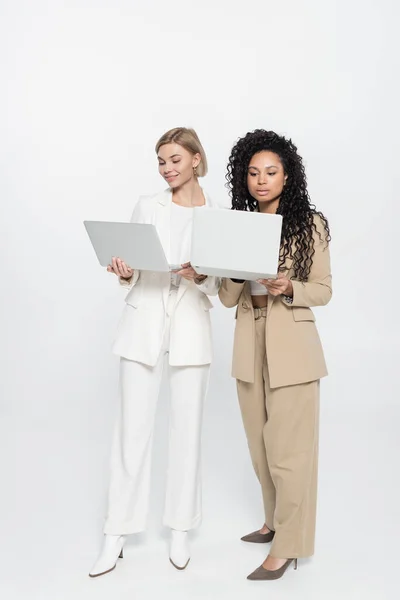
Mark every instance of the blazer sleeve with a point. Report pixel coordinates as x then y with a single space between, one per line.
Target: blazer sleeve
317 291
230 292
210 286
137 217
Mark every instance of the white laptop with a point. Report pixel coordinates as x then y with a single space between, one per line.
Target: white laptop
137 244
236 244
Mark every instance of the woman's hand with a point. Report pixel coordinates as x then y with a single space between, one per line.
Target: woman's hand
187 272
120 268
276 287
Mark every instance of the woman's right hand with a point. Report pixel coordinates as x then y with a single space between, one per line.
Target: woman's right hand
120 268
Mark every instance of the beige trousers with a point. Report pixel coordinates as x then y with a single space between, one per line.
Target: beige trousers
282 426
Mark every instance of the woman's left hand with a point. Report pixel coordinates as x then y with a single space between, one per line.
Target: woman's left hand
276 287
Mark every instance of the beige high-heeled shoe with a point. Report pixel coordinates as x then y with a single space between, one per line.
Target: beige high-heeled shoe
263 574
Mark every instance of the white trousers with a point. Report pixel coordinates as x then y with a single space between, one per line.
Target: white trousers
132 447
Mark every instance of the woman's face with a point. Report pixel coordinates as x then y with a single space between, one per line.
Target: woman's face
176 164
265 177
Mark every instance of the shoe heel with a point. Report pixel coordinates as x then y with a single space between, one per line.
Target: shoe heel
121 554
295 564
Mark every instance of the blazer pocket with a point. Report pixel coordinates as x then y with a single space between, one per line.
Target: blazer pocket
207 302
133 297
301 313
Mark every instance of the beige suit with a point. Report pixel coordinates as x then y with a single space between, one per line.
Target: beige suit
278 361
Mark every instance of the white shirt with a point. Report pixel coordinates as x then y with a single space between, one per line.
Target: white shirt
181 235
257 289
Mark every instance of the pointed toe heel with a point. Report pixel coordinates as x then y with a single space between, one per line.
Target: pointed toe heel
179 553
111 551
263 574
259 538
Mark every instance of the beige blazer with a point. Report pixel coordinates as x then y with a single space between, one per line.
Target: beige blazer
294 350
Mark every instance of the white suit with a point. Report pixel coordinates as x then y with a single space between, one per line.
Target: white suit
157 321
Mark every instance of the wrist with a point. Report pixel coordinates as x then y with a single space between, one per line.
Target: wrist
289 290
288 294
200 278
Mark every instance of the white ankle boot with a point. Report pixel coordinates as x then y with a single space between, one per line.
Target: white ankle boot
110 552
179 554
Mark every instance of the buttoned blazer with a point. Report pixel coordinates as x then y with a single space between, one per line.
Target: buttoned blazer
141 328
293 347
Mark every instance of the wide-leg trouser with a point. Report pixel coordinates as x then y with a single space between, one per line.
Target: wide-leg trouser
282 427
133 439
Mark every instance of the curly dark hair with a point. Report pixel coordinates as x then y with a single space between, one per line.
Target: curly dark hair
295 206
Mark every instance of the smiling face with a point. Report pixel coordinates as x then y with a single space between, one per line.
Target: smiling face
266 177
176 164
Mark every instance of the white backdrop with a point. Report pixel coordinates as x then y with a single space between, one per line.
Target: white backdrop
87 87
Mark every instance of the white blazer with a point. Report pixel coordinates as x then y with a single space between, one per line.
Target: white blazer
141 328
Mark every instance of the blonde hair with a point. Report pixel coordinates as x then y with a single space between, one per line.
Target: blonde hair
188 139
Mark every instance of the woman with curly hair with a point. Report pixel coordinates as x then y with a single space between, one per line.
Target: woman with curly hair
278 358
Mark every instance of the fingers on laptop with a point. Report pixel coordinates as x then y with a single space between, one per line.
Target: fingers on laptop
119 268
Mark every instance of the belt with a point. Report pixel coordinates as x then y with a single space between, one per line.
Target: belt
260 312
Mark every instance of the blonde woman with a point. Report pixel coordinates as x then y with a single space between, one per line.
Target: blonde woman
166 322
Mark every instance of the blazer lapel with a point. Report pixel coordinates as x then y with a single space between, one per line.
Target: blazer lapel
246 296
163 221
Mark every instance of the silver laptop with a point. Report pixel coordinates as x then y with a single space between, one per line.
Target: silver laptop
237 244
137 244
